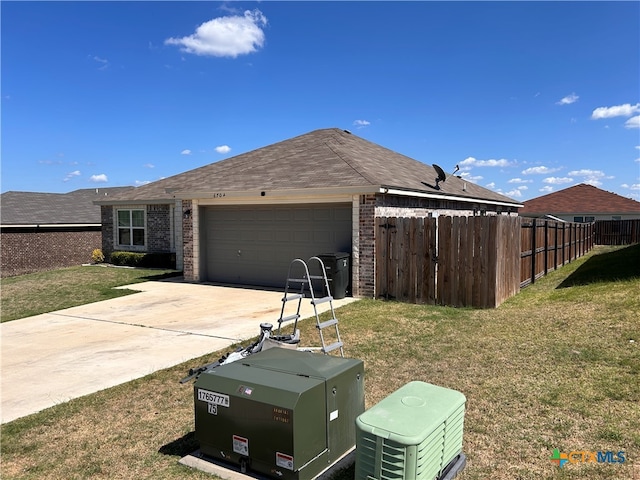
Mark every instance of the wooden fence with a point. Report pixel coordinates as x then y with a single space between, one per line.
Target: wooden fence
458 261
547 245
470 261
617 232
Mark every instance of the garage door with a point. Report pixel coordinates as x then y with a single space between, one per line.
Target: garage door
254 245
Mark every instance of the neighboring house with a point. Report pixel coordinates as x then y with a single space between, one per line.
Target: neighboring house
43 231
583 204
242 220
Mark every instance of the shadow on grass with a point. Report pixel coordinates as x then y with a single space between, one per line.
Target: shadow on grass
181 447
162 276
621 264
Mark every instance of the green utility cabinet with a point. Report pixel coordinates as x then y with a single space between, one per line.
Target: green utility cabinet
282 413
413 434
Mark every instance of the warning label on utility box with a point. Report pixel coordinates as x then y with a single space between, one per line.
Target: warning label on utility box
241 445
284 461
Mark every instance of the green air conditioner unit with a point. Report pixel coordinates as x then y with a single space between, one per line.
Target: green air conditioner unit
282 413
413 434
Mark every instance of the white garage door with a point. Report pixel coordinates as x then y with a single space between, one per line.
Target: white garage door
254 245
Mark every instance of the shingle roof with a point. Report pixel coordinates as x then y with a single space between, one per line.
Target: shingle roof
32 208
582 199
326 158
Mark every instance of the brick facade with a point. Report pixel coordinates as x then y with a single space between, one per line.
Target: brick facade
396 206
106 218
159 228
187 240
366 247
29 250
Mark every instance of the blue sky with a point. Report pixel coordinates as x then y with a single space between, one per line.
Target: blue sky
526 97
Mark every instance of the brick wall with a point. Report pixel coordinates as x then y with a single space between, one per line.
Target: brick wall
396 206
187 241
158 228
106 217
366 247
33 250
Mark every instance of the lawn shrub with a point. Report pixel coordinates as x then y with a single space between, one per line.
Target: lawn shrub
97 256
146 260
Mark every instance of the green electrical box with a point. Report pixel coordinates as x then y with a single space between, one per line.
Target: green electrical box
282 413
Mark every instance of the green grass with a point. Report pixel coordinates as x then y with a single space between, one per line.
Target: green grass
553 367
52 290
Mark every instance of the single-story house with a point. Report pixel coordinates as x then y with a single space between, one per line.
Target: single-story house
43 231
242 220
582 204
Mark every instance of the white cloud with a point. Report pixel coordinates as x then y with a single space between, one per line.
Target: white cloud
522 187
633 122
542 170
361 123
471 178
100 178
625 110
557 180
519 180
485 163
149 165
514 193
586 173
185 152
223 149
569 99
635 186
637 160
225 36
591 177
104 63
546 189
592 181
637 147
70 175
491 185
139 183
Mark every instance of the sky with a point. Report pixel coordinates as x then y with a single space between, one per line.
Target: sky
527 98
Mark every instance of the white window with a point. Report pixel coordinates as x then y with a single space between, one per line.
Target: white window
131 230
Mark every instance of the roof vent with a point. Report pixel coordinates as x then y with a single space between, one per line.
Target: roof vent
347 131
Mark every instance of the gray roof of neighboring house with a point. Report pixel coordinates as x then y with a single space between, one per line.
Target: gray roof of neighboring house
32 208
325 158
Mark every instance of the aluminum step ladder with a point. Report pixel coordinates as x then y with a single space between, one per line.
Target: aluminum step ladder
300 283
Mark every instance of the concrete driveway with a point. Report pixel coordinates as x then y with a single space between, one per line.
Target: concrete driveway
51 358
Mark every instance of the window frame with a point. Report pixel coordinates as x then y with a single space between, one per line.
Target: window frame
131 227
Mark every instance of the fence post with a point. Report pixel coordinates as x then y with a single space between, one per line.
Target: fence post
546 247
534 228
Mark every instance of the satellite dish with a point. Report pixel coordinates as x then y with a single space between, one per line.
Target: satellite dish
441 175
440 178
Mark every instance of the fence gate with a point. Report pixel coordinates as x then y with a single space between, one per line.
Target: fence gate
457 261
406 259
